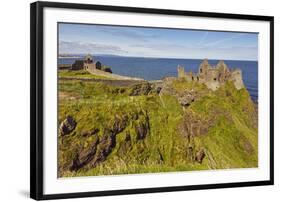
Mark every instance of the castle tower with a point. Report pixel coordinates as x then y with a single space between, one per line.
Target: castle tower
236 77
89 63
223 71
181 72
88 59
203 69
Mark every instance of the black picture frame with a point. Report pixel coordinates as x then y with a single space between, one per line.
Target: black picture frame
36 98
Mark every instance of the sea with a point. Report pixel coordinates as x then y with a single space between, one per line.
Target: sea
158 68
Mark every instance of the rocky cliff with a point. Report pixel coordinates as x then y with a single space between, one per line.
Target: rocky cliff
174 125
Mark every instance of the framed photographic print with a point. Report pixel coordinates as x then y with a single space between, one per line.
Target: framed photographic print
136 100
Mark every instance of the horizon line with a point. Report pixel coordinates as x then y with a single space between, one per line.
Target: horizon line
153 57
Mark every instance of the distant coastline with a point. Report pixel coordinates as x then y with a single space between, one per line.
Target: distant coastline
78 55
62 57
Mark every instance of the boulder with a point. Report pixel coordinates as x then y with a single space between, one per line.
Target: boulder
67 126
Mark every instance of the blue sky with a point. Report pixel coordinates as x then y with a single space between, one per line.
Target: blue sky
156 42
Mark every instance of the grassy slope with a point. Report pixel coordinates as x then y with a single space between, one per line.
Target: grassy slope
231 142
78 74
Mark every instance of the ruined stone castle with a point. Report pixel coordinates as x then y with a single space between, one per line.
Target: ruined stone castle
87 64
213 76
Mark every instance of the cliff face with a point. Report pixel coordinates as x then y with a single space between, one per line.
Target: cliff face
177 125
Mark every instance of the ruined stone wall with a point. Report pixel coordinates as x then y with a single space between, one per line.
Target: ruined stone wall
187 76
224 72
89 66
203 70
236 77
195 77
181 72
213 77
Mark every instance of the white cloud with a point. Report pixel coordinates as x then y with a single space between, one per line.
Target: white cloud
80 47
223 40
203 38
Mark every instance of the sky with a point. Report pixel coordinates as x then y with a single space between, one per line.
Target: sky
156 42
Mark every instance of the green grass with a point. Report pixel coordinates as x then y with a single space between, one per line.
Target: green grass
182 85
231 141
234 127
78 74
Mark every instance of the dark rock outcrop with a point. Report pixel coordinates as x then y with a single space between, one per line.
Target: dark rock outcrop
84 156
96 145
67 126
101 147
190 153
89 133
107 69
156 87
120 123
125 145
184 97
107 143
140 89
141 131
193 125
142 128
200 155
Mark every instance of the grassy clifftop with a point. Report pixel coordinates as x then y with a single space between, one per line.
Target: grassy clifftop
107 129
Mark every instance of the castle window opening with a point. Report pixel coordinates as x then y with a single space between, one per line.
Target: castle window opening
200 70
197 78
192 78
215 79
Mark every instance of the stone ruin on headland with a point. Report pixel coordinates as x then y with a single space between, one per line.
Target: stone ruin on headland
213 76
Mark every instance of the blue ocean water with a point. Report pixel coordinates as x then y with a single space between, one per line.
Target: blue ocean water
157 68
